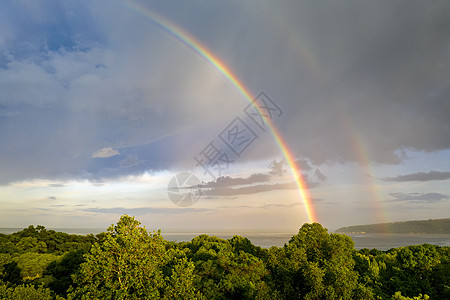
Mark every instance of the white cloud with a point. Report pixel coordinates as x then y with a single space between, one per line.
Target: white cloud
105 152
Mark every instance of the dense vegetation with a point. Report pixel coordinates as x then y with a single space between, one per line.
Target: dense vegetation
439 226
127 262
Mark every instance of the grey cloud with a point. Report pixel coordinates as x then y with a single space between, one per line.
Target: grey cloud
365 81
348 76
8 113
229 186
253 189
402 208
68 107
56 185
209 197
144 210
105 152
419 197
320 176
277 168
227 181
292 204
64 205
303 164
360 52
420 176
265 206
397 208
44 209
129 161
237 206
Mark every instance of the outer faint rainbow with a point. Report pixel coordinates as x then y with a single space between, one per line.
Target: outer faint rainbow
363 155
188 40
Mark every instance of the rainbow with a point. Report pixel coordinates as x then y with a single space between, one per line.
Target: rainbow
181 35
363 157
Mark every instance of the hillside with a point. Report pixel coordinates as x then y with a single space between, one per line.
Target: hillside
438 226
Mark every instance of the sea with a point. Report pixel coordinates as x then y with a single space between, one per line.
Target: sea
267 239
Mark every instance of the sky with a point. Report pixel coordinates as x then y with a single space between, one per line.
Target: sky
107 107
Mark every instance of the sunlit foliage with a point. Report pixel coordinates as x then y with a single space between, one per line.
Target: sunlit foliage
128 262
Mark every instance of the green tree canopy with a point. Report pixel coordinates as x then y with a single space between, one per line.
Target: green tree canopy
314 265
130 263
227 269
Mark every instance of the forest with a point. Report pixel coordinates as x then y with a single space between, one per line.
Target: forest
437 226
129 262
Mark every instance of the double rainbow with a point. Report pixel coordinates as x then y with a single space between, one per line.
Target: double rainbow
188 40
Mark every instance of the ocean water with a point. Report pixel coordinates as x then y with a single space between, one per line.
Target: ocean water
258 238
378 241
268 239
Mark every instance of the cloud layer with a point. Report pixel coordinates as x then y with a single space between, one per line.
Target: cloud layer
420 176
419 197
94 90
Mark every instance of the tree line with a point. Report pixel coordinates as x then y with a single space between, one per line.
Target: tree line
129 262
436 226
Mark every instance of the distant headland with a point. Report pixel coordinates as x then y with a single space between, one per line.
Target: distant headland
436 226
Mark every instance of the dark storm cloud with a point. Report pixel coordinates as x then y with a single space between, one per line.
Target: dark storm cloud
418 197
383 79
420 176
349 75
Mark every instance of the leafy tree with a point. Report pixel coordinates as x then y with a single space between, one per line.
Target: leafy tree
31 244
227 269
398 296
368 269
406 271
8 247
38 239
130 263
33 265
409 270
4 259
440 275
62 270
314 265
28 292
11 273
127 262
